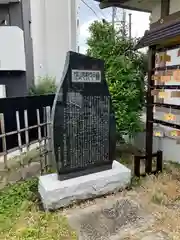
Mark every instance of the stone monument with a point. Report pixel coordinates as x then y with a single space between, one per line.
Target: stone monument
84 126
83 136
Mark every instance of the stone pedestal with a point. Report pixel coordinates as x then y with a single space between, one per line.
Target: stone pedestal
56 194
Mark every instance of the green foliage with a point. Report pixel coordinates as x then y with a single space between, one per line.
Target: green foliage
12 199
125 71
45 85
21 218
13 196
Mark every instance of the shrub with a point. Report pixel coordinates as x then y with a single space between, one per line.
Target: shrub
125 69
45 85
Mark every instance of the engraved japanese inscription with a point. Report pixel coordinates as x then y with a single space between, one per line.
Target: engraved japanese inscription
86 76
83 119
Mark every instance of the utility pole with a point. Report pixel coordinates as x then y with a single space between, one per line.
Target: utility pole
124 23
114 9
113 16
130 26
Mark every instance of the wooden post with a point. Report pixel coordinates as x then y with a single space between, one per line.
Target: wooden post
159 166
20 144
4 147
40 140
165 5
26 130
45 139
137 162
49 141
149 111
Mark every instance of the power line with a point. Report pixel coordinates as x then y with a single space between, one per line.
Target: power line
101 12
103 15
90 8
109 15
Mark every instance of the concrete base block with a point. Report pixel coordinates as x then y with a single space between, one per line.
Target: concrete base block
56 194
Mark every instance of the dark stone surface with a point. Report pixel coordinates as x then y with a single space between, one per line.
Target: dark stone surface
83 119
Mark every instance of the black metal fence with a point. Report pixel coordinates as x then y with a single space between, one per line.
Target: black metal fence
9 107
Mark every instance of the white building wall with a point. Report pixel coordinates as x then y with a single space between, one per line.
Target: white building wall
37 33
54 32
174 6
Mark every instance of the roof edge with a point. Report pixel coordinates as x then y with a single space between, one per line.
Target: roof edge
104 5
162 33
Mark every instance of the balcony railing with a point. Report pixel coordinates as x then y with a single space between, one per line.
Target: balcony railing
12 50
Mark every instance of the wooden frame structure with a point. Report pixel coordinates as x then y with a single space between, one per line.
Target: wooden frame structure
163 36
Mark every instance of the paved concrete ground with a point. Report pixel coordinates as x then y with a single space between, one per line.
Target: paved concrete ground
112 218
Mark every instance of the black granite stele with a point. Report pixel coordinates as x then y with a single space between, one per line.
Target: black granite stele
83 121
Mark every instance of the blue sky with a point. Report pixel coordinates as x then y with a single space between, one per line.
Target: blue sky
140 20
